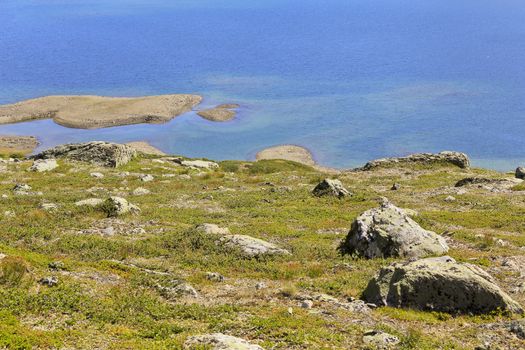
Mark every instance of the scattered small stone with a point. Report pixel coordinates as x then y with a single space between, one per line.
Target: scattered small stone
178 289
450 199
219 341
396 187
307 304
97 175
213 229
140 191
260 285
49 206
380 339
49 281
9 214
185 177
290 311
56 265
22 189
214 277
329 187
147 178
90 202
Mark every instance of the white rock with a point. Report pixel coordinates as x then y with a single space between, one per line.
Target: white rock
147 178
41 165
97 175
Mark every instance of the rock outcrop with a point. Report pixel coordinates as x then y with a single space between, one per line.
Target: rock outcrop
41 165
455 158
438 284
388 231
100 153
219 341
329 187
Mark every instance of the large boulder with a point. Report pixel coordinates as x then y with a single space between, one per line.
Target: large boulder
388 231
219 341
438 284
520 173
329 187
100 153
455 158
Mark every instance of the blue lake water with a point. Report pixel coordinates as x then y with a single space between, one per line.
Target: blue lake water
351 80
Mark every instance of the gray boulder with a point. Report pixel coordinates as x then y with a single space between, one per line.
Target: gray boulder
219 341
455 158
101 153
388 231
252 247
329 187
41 165
438 284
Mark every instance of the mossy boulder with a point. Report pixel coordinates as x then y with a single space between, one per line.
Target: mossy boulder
439 284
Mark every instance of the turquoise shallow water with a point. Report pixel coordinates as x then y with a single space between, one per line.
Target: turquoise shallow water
350 80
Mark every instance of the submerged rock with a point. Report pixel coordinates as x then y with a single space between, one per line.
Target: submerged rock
455 158
219 341
329 187
252 247
438 284
42 165
388 231
101 153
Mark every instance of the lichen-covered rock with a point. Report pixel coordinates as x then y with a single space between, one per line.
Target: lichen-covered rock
101 153
116 206
219 341
42 165
455 158
438 284
329 187
252 247
388 231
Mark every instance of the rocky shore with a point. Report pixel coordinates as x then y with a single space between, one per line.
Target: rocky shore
104 244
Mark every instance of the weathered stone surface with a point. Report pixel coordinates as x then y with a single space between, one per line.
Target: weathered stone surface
438 284
388 231
101 153
455 158
329 187
41 165
520 173
140 191
518 327
380 340
146 178
200 164
116 206
219 341
213 229
252 247
90 202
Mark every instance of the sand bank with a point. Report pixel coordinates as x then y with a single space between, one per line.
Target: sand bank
294 153
93 112
17 144
144 147
221 113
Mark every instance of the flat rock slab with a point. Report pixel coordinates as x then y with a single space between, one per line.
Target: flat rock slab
219 341
447 157
388 231
101 153
92 112
438 284
252 247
